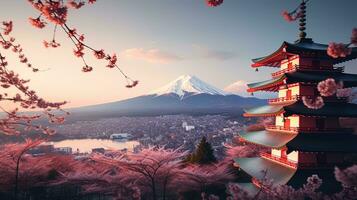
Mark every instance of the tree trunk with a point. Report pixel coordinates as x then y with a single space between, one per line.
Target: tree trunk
164 190
17 178
153 189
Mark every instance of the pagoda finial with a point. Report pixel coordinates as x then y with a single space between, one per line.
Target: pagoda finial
302 23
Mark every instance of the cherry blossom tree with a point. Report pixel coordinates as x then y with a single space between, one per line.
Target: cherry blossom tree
154 168
51 12
100 178
202 178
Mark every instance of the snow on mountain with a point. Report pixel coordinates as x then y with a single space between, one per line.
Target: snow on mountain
187 84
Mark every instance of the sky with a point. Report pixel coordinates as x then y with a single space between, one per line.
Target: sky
159 40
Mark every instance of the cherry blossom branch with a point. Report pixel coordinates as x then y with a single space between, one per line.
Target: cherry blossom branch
56 12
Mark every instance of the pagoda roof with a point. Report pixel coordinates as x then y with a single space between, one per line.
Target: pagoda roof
349 80
307 142
267 85
305 47
268 138
264 111
324 142
261 168
330 109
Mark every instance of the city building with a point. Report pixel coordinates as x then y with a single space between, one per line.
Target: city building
98 150
63 150
303 141
120 136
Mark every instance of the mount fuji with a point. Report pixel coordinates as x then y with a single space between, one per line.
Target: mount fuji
184 95
187 85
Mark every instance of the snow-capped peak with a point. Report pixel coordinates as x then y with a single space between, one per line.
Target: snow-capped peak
187 84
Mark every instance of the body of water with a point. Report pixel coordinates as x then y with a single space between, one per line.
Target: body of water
86 145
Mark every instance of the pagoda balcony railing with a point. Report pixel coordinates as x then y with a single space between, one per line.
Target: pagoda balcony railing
283 161
281 128
307 129
283 99
306 68
280 100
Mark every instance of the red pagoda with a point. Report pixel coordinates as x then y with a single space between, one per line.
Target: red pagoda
303 141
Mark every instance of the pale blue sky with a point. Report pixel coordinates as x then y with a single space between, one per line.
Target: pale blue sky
159 40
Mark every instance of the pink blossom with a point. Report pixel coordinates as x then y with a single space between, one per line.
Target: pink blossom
79 51
328 87
112 60
337 50
38 23
87 68
99 54
287 16
313 103
7 27
52 44
54 11
213 3
345 92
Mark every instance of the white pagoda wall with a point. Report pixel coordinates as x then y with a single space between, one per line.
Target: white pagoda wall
276 152
295 90
301 90
293 156
293 60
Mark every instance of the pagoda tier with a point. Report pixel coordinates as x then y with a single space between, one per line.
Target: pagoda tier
304 47
311 77
330 109
303 141
262 168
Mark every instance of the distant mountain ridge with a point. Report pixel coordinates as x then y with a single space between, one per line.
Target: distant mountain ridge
185 95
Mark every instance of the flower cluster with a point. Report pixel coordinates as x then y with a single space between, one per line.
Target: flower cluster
7 27
52 44
313 103
328 87
344 92
336 50
213 3
38 22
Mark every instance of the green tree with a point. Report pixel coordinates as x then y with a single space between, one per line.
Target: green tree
203 154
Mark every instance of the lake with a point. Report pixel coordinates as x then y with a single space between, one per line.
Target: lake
86 145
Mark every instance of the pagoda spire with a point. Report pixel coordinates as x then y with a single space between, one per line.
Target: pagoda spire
302 23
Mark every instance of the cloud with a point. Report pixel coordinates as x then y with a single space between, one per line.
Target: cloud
151 55
220 55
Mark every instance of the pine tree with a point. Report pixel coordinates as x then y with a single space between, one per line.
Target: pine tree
203 154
